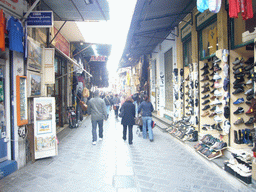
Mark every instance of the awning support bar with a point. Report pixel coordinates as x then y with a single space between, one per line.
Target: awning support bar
57 32
30 10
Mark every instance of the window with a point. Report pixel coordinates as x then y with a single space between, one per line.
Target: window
187 52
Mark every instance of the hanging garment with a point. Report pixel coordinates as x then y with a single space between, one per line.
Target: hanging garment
202 5
214 6
246 9
2 27
233 8
15 30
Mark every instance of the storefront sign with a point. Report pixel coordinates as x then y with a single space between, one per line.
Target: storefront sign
13 6
98 58
61 43
203 17
40 19
186 31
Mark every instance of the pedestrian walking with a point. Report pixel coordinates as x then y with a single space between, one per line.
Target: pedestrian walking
116 104
127 111
147 108
97 110
108 104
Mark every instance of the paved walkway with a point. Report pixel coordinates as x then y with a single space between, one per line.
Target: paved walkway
113 165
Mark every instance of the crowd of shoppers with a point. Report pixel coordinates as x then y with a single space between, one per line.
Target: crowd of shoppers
126 107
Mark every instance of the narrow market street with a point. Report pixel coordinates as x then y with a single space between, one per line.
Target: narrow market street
114 165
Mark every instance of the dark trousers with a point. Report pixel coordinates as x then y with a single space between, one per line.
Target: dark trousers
125 133
94 128
116 111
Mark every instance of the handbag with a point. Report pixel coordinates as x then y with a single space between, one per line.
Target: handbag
138 121
83 105
121 114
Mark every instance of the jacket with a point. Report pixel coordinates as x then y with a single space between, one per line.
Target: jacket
129 113
146 108
97 109
116 101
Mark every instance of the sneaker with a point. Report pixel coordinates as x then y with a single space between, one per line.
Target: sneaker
205 114
249 92
216 77
211 74
205 78
216 59
212 97
218 127
205 96
226 126
249 61
249 97
239 110
250 121
206 107
238 61
217 93
218 110
216 102
94 142
238 101
241 65
250 111
249 82
100 139
213 108
213 91
239 121
237 81
218 119
217 85
205 102
239 86
206 84
206 89
212 114
237 91
206 66
205 72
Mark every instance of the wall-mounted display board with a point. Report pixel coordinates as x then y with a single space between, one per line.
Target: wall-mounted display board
21 96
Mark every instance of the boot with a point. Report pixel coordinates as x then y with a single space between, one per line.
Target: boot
249 137
236 138
244 133
240 137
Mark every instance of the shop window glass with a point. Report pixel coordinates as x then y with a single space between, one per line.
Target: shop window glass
187 52
209 40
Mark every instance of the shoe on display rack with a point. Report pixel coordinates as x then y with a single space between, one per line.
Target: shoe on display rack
213 90
206 84
217 85
250 111
239 110
238 61
212 97
206 107
239 121
216 76
206 89
205 72
213 108
249 97
216 102
249 82
226 126
249 61
206 66
218 119
212 114
242 85
212 74
250 121
205 102
239 101
206 77
237 81
205 96
249 92
237 91
237 76
215 59
217 93
239 66
205 114
218 110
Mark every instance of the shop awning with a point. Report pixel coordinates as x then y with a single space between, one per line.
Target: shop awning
77 10
152 22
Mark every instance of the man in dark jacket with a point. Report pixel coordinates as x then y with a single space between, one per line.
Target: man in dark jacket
97 110
128 114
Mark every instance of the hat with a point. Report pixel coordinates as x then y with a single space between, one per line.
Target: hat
226 112
226 83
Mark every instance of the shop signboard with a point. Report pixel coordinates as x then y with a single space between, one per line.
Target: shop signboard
186 31
98 58
16 7
40 19
61 43
45 142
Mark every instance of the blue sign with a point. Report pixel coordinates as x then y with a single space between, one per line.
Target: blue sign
40 19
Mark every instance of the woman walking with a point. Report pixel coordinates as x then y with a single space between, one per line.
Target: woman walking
147 108
127 112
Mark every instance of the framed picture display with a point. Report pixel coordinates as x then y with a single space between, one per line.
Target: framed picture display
21 96
34 55
34 84
45 143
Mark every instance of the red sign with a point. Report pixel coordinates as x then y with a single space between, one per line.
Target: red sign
98 58
61 43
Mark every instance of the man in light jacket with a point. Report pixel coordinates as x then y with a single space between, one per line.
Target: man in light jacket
98 111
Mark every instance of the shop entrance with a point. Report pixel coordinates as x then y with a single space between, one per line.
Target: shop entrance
168 63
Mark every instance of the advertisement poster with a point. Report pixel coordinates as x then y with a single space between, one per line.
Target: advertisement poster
45 127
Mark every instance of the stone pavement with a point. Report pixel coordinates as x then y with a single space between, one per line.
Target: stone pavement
113 165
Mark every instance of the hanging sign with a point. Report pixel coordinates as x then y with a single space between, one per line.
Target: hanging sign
98 58
16 7
40 19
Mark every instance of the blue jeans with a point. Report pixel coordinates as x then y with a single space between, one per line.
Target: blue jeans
147 123
108 109
94 127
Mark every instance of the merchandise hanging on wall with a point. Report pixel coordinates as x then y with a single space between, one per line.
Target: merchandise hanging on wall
34 61
34 84
45 127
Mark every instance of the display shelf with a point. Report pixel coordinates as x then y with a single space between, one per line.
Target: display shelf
210 159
